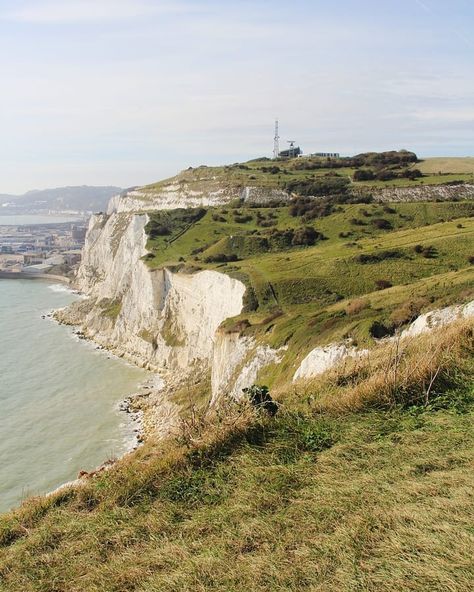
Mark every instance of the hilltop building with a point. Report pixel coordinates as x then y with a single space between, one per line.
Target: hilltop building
326 154
292 152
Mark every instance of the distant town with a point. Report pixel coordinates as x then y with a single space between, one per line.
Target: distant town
51 248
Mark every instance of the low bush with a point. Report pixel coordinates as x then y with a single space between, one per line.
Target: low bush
378 330
243 219
319 186
382 224
408 311
378 256
309 208
364 175
250 300
221 258
383 284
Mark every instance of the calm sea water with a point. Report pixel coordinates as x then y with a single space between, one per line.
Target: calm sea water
58 395
28 219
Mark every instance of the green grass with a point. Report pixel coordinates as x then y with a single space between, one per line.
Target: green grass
375 500
250 174
205 234
311 287
443 165
110 308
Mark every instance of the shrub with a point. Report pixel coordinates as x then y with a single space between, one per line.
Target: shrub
382 224
242 219
429 252
274 170
260 398
385 175
408 311
266 223
320 186
305 236
309 208
357 222
378 330
471 259
159 230
364 175
378 256
250 301
221 258
411 174
383 284
418 249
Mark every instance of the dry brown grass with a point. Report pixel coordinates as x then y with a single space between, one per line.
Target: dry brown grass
408 311
399 372
357 305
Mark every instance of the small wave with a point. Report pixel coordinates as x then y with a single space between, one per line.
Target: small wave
61 288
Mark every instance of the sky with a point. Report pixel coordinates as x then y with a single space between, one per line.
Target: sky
127 92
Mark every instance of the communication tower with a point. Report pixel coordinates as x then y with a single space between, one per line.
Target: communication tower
276 142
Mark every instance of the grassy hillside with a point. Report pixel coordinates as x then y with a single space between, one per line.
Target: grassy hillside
443 165
400 260
362 482
390 169
372 496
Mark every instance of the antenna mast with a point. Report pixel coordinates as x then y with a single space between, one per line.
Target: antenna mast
276 142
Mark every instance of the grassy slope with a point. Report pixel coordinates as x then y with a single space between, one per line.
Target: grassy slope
378 500
311 287
447 165
362 482
250 174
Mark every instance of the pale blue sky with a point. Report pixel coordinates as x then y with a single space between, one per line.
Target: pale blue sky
126 92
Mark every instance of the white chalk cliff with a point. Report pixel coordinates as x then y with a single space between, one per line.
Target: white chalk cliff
161 319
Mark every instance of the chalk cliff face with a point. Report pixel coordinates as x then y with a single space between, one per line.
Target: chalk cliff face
175 195
160 319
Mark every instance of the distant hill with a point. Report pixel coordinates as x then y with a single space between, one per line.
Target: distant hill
81 198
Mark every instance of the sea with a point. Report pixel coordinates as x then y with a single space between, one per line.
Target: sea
28 219
59 395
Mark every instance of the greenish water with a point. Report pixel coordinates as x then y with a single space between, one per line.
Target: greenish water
29 219
58 395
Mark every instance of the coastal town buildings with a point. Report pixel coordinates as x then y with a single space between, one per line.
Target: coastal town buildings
41 248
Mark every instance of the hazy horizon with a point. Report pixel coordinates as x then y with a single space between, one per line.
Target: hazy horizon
128 92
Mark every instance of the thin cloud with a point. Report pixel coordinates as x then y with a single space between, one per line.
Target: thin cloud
454 31
83 11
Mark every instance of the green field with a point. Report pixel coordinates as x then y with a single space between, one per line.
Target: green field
460 165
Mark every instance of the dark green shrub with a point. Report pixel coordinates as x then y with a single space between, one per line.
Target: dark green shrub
382 224
383 284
